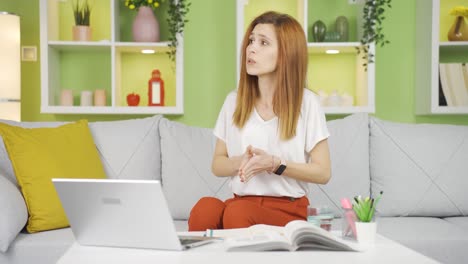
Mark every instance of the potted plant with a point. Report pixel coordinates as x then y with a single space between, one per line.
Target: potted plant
146 27
366 227
373 17
82 14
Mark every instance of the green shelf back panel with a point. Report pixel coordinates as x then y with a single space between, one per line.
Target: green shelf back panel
446 20
328 11
100 20
136 72
85 70
454 56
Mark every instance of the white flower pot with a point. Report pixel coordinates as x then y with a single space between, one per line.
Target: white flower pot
366 232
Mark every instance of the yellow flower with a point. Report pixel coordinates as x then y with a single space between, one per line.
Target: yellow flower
459 11
136 4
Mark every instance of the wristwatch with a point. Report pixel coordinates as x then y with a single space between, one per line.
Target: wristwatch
281 167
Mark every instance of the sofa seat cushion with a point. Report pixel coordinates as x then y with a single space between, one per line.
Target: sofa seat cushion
433 237
41 248
181 225
461 221
420 167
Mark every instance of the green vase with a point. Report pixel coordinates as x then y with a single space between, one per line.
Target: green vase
341 26
318 31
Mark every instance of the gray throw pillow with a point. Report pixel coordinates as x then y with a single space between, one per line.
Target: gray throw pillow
187 153
13 213
422 168
349 154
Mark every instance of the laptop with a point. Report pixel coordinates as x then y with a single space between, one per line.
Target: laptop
121 213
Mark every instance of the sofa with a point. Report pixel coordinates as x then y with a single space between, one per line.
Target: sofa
422 169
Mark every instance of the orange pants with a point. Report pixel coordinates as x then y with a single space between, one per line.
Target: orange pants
244 211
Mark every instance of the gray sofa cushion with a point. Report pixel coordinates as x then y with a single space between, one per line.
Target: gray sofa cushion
39 248
433 237
187 153
129 149
349 154
420 167
461 221
13 214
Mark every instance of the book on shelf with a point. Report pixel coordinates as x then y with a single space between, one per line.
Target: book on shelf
454 83
296 235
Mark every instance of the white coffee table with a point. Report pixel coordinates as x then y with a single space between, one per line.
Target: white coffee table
384 251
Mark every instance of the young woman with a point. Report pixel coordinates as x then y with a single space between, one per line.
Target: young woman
271 133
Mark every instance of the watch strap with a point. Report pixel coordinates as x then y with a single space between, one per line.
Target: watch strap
281 167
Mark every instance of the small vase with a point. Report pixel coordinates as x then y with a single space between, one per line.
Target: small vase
459 30
81 33
100 97
145 26
318 31
342 27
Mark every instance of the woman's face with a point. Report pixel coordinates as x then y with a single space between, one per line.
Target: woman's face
262 51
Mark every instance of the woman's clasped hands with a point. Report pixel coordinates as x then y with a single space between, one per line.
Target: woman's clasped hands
254 161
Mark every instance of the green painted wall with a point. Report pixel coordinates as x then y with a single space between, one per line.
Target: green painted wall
210 59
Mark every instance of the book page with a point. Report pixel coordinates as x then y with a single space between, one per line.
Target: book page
244 232
305 235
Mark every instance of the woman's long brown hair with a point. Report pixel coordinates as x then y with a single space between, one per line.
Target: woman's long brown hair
291 74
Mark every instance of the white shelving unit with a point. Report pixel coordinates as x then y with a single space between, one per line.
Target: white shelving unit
364 92
54 50
429 53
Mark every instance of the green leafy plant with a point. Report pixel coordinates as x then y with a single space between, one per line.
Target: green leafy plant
365 208
81 12
373 16
178 10
135 4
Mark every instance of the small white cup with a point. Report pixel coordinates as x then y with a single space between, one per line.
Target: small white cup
86 98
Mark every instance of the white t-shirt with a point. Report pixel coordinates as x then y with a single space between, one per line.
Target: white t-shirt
311 129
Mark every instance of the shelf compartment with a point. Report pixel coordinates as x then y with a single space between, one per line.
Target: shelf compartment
61 20
78 70
327 11
342 73
446 20
253 8
133 71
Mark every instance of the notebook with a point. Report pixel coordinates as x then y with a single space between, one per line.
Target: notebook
121 213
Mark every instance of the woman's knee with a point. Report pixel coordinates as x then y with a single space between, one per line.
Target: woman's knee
207 213
239 214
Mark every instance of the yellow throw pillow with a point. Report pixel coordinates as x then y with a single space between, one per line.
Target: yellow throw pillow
40 154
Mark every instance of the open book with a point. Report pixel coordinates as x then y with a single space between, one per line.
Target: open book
296 235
